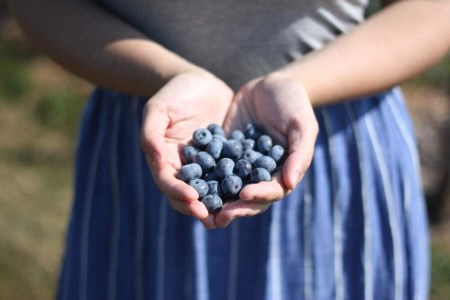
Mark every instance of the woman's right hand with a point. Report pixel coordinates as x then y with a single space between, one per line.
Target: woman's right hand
187 102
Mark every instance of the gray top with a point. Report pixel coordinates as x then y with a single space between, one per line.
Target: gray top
241 40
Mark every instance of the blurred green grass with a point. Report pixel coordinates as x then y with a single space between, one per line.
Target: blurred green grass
14 79
40 105
440 276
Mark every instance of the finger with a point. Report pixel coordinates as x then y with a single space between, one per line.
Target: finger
208 222
154 126
238 209
193 208
265 191
180 192
301 149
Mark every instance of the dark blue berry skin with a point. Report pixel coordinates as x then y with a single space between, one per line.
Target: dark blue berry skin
251 155
216 129
243 168
264 144
219 137
232 149
213 203
277 153
215 148
259 174
206 161
201 137
210 176
248 144
224 167
213 187
188 153
253 131
200 186
189 172
237 135
231 185
265 162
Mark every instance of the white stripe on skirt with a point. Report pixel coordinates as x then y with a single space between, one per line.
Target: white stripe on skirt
409 140
201 261
337 218
390 205
307 240
368 266
273 271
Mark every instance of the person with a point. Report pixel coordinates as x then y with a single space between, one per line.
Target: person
322 80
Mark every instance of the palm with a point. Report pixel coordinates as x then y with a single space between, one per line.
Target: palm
276 106
196 111
282 107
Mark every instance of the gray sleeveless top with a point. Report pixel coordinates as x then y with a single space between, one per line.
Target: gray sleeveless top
241 40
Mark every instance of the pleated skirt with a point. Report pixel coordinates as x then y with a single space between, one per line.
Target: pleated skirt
355 228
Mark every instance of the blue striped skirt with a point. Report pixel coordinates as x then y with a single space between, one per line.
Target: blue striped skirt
355 228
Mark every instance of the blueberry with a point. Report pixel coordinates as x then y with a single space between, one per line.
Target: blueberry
232 149
224 167
213 187
210 176
189 172
205 160
264 144
237 135
201 137
248 144
277 153
259 174
200 186
231 185
219 137
213 203
251 155
265 162
187 154
216 129
243 168
253 131
214 148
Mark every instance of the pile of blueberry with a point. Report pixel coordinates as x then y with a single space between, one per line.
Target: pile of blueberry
218 167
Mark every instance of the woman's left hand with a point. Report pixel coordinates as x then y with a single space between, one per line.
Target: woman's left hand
282 106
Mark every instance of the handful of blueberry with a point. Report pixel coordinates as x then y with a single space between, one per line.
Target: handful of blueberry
218 167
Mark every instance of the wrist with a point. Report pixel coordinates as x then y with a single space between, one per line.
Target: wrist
191 70
286 77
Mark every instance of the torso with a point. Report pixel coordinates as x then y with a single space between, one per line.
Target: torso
240 40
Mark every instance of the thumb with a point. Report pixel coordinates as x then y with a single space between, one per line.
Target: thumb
301 140
154 126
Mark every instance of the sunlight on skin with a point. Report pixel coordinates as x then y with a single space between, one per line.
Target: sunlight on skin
282 107
187 102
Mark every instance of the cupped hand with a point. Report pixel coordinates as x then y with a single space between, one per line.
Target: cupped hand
187 102
282 106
